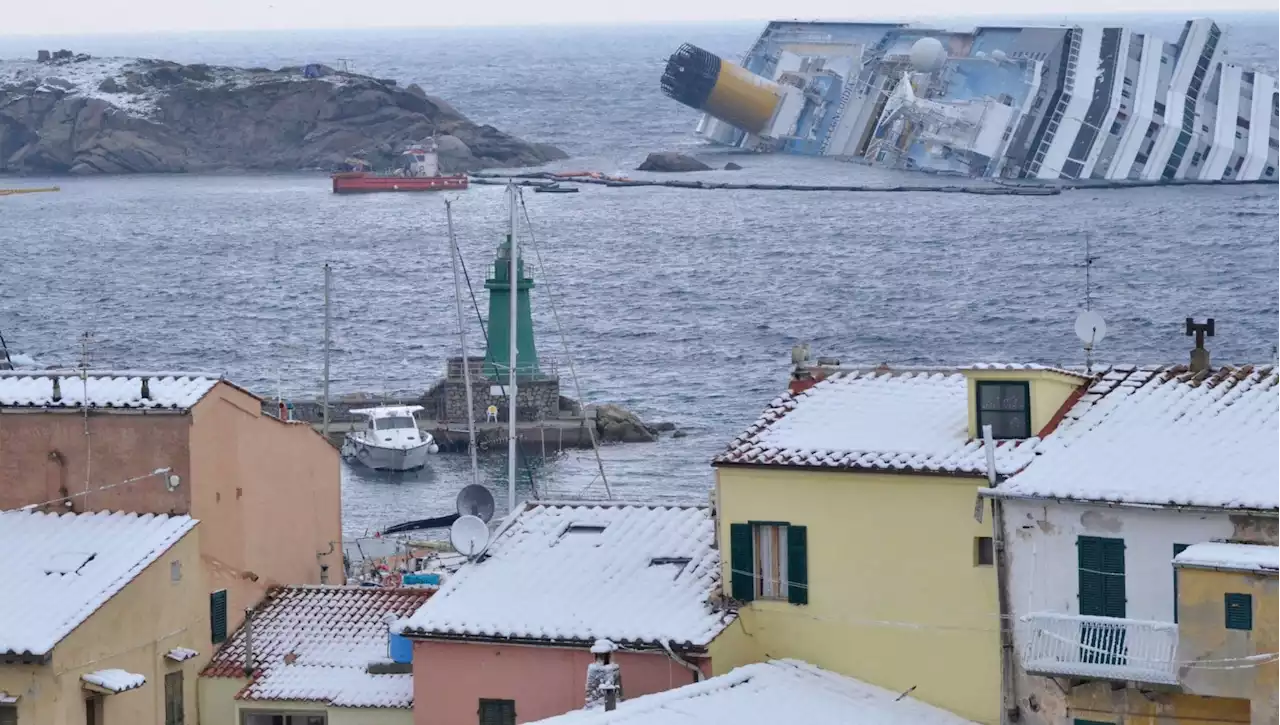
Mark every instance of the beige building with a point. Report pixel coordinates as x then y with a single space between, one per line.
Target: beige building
267 492
103 619
315 655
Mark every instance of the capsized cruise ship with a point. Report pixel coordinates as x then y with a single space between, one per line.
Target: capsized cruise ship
1005 102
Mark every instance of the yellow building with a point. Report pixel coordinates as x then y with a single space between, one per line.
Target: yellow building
314 655
848 529
103 617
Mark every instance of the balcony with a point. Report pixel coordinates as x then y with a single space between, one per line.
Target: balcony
1104 648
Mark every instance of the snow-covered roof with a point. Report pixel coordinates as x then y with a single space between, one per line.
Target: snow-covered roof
885 420
174 391
1164 436
181 654
58 569
315 643
114 680
1221 555
572 573
768 693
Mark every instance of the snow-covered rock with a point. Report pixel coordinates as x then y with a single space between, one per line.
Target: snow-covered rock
87 115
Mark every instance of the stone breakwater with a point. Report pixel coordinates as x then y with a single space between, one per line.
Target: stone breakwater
81 115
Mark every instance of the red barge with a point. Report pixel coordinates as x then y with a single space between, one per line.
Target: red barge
419 171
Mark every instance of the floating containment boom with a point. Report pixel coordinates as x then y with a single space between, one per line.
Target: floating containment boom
705 81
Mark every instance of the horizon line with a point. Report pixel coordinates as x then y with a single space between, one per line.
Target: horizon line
1058 17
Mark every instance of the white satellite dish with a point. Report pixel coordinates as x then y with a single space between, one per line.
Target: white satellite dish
469 535
1090 328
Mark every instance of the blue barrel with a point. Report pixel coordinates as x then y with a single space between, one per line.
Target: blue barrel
422 580
401 648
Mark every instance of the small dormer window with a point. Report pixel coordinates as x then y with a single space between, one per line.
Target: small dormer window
1006 407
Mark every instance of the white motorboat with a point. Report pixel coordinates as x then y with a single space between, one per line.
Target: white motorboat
392 441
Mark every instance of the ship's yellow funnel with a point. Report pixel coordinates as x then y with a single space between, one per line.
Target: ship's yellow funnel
726 91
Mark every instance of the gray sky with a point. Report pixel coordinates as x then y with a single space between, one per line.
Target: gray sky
71 17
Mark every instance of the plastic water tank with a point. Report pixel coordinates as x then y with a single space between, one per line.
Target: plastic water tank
430 580
401 648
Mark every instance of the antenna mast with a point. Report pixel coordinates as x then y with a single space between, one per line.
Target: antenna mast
324 399
1090 327
462 340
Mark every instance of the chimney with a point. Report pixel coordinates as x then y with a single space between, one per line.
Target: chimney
324 573
1200 355
57 389
248 641
604 681
146 388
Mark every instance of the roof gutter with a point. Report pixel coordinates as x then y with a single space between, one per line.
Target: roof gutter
854 469
997 493
1259 571
653 646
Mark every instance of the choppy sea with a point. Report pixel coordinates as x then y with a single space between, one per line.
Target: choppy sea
682 305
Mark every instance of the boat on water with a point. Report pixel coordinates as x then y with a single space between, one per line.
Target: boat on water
419 170
1007 102
392 441
555 189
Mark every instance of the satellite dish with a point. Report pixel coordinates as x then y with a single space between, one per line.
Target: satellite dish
475 500
469 535
1090 328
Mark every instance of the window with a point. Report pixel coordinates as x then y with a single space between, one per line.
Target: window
174 709
8 715
1177 549
984 552
392 423
1239 611
497 712
769 560
267 717
1006 407
218 616
1101 594
1158 108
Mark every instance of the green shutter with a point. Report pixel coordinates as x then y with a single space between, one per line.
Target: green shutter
218 616
742 562
1239 611
1101 576
1177 549
797 565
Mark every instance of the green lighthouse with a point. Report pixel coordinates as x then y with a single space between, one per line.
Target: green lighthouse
499 286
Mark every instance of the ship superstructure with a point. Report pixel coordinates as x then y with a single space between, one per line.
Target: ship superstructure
1103 103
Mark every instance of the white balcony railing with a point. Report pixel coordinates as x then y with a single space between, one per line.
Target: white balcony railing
1106 648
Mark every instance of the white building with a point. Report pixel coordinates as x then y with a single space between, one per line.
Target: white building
1146 463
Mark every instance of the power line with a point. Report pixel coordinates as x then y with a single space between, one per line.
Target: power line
135 479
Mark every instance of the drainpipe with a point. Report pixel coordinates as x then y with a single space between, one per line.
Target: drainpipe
697 671
248 641
1008 683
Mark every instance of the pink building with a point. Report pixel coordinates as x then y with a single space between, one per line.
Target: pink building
508 637
267 492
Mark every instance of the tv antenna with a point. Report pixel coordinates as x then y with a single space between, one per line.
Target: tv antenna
469 536
1090 327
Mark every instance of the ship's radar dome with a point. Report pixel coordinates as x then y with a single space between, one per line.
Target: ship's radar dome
928 55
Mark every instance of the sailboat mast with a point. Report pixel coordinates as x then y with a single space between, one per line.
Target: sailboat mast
514 316
324 396
462 340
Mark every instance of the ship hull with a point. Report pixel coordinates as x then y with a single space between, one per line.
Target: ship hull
361 183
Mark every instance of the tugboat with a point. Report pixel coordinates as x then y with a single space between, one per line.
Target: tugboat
419 171
391 442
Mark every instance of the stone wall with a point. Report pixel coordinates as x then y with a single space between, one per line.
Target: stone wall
535 400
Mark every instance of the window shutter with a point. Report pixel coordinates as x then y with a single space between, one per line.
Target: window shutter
1114 601
1089 553
173 702
8 715
218 616
797 565
1239 611
1101 576
742 562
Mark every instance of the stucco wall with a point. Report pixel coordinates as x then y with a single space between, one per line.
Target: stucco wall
44 456
1202 635
895 598
217 700
268 495
132 632
450 678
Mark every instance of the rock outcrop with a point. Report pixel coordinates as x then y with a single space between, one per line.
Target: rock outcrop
80 115
670 161
615 424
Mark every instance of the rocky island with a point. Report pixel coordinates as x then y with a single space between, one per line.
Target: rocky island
72 114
